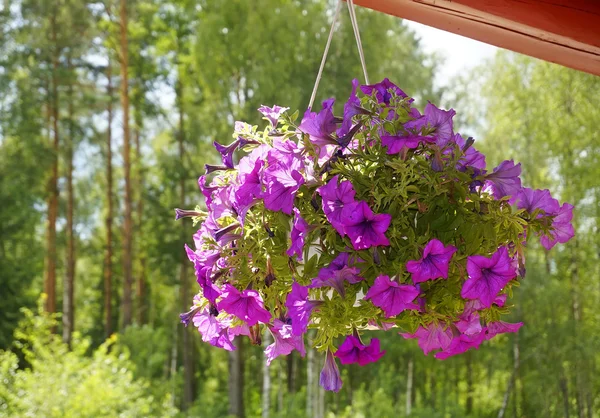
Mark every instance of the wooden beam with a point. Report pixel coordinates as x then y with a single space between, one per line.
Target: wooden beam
566 32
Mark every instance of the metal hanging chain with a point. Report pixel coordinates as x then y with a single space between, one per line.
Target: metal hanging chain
361 54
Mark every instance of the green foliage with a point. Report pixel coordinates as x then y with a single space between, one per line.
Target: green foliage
59 382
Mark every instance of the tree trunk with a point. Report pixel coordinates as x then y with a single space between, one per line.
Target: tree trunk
141 274
188 363
409 386
50 261
266 386
108 221
469 406
126 303
68 317
564 389
512 380
280 386
310 376
236 380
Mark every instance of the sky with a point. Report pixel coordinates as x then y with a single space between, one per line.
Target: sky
459 53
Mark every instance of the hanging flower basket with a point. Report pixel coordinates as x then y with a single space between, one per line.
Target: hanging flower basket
383 218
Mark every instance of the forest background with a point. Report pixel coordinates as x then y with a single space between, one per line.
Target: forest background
108 111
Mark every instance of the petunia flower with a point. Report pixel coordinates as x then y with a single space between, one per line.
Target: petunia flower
461 344
392 297
299 308
319 127
434 336
441 120
300 229
352 108
227 151
204 264
282 180
396 143
504 181
214 330
383 91
247 305
284 341
487 276
501 327
530 200
469 323
366 229
336 274
353 350
471 157
562 228
330 375
185 213
434 264
272 114
338 200
207 191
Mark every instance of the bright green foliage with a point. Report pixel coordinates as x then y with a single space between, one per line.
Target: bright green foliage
59 382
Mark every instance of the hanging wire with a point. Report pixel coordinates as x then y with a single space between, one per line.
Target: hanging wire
315 88
361 54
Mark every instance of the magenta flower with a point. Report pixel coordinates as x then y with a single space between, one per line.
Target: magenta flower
207 191
353 350
336 274
396 143
272 114
383 91
433 337
434 263
392 297
501 327
364 228
247 305
461 344
476 305
487 276
204 264
299 230
441 120
284 341
227 151
330 375
351 108
319 127
471 157
250 184
505 181
530 200
469 323
338 200
214 330
299 308
562 228
282 180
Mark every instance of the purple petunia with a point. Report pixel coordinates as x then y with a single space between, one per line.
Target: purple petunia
214 330
227 151
272 114
530 200
471 157
338 201
392 297
284 341
336 274
383 91
353 350
434 336
501 327
246 305
441 120
434 264
487 276
351 108
282 180
562 228
319 127
396 143
330 375
364 228
299 308
504 181
461 344
299 230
